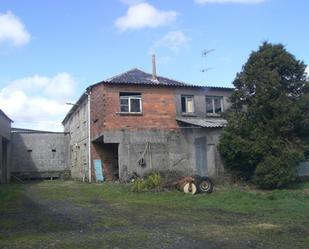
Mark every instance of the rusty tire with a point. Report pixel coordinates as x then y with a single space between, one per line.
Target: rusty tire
204 185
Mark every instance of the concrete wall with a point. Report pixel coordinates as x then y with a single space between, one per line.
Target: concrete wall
77 127
5 137
39 155
170 151
200 100
5 127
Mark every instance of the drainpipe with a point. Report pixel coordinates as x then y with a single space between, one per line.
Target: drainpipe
89 138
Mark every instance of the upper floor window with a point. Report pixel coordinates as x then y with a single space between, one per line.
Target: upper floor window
187 104
214 104
130 102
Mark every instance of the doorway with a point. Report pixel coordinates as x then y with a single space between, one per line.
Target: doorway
108 154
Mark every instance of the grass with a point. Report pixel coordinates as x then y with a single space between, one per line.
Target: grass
66 214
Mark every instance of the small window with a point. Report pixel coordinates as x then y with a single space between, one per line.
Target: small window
187 104
130 102
214 104
53 150
29 150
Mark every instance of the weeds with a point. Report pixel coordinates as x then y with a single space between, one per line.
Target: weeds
151 182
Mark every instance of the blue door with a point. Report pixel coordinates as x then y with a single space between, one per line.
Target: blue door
98 170
201 156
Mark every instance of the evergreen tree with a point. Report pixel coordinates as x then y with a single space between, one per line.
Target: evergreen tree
268 124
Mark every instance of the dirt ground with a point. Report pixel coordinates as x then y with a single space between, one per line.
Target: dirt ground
44 220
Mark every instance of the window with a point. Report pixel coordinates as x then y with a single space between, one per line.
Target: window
214 104
187 104
130 102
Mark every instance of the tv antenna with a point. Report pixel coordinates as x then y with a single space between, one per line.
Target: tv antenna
204 54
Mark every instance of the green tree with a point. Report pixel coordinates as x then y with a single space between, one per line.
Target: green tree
268 124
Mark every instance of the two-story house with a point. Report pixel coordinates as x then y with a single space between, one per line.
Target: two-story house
141 122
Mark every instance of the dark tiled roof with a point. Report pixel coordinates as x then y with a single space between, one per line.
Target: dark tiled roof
138 76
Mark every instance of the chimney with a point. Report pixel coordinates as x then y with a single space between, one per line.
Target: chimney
154 69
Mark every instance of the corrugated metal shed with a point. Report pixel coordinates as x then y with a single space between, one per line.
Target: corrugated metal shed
204 122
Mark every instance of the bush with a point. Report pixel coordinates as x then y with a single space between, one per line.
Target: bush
276 171
151 182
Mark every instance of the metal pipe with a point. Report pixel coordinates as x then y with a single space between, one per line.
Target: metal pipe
89 138
154 69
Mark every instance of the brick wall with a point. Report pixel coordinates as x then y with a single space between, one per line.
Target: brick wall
158 104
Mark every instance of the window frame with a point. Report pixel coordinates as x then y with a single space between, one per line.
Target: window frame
130 96
186 97
213 104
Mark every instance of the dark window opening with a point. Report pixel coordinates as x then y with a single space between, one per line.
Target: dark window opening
187 104
214 104
29 150
53 150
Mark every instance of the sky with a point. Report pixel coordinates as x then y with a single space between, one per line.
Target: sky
51 50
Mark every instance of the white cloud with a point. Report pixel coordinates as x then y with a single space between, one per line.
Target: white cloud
230 1
173 40
13 30
38 102
144 15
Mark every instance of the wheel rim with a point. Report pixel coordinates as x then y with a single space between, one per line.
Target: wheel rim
205 185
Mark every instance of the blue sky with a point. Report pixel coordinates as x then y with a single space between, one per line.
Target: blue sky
52 50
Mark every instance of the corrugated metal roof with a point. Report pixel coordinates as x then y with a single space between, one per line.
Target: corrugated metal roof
204 122
21 130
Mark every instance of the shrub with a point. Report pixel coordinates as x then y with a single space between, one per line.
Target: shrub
276 171
151 182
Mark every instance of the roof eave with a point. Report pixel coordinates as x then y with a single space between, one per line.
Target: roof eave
74 107
160 85
4 115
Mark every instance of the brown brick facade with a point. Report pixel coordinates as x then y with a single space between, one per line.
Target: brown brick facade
158 104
